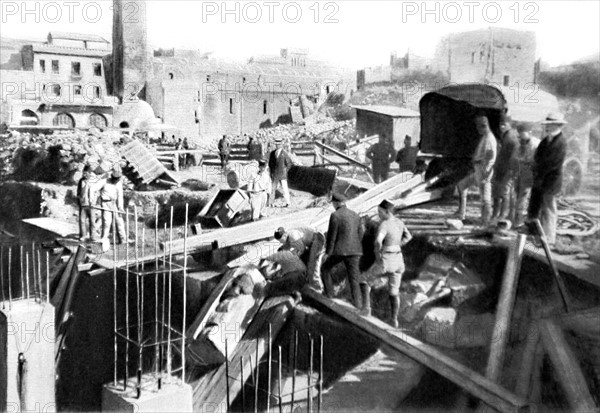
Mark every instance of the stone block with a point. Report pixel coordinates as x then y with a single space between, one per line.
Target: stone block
174 396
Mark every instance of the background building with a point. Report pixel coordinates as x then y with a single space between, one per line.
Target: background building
501 56
59 83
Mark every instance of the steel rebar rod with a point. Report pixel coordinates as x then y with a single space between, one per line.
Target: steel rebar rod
2 275
39 272
256 382
184 322
269 371
157 349
126 302
21 271
320 401
115 344
138 307
27 275
310 372
47 277
33 270
242 384
294 367
9 278
227 373
279 378
169 361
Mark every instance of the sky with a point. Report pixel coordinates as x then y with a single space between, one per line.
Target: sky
353 34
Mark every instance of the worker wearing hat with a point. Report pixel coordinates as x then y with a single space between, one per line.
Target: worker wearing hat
547 174
344 244
505 168
391 236
279 164
523 173
111 197
87 195
483 161
259 190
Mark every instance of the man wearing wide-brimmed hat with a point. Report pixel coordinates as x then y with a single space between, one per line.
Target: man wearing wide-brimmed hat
547 174
259 190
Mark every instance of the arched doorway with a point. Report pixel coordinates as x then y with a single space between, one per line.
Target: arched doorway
98 121
64 119
29 117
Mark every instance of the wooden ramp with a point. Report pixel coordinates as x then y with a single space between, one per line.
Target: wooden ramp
471 381
211 388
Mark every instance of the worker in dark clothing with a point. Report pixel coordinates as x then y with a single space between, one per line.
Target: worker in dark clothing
547 174
344 244
279 164
382 154
407 156
254 149
224 150
505 169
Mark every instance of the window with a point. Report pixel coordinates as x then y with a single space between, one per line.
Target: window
64 119
96 92
75 69
264 107
230 106
42 66
28 117
97 69
473 57
53 89
327 90
97 120
77 90
506 80
55 66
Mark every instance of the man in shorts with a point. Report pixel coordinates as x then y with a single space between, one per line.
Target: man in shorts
392 235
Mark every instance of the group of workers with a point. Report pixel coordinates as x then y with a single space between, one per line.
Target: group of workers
101 197
286 271
382 155
518 176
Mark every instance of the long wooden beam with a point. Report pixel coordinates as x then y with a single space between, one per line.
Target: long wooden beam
473 382
506 302
210 391
317 218
567 368
342 155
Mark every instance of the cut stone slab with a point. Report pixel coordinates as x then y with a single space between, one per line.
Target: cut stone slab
442 328
174 396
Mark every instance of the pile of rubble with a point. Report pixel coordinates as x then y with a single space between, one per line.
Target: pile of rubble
57 158
326 128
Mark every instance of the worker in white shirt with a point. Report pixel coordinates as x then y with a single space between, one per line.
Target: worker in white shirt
484 159
111 196
259 190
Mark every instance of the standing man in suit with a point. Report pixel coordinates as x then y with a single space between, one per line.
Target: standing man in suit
344 243
279 163
547 174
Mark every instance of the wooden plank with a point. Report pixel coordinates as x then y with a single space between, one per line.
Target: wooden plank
567 368
471 381
506 302
528 358
585 322
56 226
211 389
342 155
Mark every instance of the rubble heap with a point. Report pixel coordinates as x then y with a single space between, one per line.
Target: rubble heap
57 158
